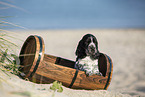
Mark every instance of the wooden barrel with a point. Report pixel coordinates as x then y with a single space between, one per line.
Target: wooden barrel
43 68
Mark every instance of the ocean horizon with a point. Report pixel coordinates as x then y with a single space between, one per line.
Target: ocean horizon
76 14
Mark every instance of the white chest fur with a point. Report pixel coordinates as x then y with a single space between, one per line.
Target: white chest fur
88 65
87 61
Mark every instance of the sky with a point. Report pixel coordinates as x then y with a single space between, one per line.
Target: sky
74 14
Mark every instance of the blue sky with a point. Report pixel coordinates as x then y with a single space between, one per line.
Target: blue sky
75 14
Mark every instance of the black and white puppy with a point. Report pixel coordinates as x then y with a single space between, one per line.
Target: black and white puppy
87 55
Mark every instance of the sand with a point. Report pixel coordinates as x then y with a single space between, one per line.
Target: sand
126 47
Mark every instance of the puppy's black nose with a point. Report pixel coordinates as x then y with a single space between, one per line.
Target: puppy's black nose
92 47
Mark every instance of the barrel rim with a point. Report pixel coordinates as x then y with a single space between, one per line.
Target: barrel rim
110 72
39 54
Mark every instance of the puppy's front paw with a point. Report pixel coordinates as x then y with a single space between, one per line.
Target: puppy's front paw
88 73
79 66
99 73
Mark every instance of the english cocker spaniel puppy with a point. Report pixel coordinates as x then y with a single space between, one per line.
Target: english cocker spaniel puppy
87 55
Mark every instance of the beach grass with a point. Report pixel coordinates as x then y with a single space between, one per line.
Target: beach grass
8 57
7 53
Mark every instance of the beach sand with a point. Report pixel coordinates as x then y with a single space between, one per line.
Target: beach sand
126 47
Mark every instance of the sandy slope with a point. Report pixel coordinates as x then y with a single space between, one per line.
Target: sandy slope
13 86
125 47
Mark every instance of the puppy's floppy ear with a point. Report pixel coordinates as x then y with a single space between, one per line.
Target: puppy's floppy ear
80 51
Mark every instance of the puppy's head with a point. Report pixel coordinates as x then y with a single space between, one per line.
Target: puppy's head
88 46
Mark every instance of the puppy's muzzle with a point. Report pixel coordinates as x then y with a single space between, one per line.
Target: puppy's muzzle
92 49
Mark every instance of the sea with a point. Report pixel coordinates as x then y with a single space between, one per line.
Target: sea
73 14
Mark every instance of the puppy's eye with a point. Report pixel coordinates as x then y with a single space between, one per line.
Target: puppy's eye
89 41
94 40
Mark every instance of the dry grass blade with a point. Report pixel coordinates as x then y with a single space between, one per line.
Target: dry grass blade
10 5
5 22
6 40
13 33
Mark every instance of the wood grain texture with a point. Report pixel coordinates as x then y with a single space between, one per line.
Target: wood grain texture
51 71
51 68
29 54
